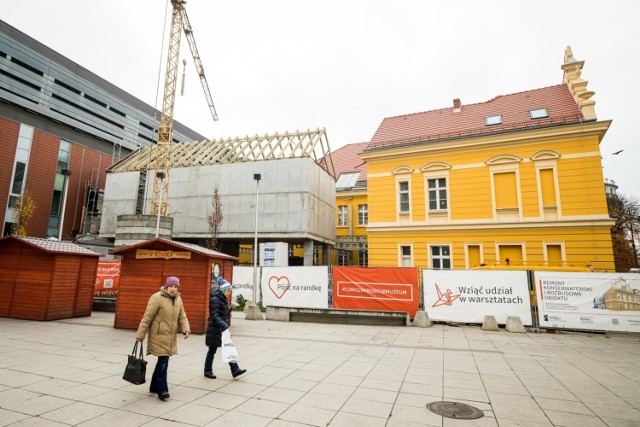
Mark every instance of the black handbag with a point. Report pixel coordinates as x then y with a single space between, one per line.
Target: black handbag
136 368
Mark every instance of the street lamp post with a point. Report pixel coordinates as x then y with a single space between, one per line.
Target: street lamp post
160 175
252 310
66 173
256 177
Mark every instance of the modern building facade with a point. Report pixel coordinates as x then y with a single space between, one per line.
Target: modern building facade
513 182
292 200
61 126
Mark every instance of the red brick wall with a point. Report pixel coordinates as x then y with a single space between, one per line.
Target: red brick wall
41 174
9 131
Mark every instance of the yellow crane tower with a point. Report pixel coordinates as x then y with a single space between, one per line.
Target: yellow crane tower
162 156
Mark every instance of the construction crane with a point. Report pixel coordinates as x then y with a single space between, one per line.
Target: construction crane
162 156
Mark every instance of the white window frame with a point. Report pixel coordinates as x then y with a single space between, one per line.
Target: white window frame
402 192
437 192
363 214
402 258
440 257
343 216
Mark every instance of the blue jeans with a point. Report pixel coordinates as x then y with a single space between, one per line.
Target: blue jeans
159 378
208 361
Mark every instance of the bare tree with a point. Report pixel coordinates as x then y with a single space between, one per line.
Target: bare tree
23 209
624 233
214 220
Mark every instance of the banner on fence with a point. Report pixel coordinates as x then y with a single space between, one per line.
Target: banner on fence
591 301
243 282
467 296
385 289
295 286
107 279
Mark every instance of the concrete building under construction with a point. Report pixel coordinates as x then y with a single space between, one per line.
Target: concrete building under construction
290 177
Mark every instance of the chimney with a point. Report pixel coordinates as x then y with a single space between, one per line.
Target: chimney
457 105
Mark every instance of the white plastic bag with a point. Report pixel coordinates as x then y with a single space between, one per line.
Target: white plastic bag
229 352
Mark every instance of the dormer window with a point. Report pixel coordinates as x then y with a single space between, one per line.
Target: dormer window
347 180
539 113
493 120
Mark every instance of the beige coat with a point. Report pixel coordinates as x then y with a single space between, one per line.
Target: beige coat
161 320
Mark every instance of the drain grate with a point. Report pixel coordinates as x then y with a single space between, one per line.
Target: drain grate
459 411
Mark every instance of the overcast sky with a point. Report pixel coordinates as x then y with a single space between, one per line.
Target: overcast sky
286 65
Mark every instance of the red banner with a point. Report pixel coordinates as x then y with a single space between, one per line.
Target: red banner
381 289
107 279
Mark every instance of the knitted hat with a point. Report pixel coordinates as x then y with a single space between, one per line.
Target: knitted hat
171 281
225 286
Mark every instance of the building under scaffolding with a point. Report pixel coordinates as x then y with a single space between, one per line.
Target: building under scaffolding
296 192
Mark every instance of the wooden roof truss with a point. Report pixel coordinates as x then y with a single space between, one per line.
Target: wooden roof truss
313 144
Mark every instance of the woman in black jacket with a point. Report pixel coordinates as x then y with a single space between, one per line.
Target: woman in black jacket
219 315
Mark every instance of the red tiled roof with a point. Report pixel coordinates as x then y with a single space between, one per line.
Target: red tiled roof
470 121
346 160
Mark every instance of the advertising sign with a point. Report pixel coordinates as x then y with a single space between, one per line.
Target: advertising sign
381 289
467 296
305 287
243 282
107 279
591 301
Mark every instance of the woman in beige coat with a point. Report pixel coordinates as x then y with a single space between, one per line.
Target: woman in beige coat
161 319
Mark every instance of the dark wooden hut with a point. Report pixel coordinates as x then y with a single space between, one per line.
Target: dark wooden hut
43 279
145 267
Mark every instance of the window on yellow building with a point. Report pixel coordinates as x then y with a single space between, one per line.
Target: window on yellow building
548 188
510 255
437 194
506 192
343 257
405 256
342 216
440 257
473 256
363 214
363 258
403 196
553 254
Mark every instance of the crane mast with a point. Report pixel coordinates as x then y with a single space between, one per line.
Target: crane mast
162 155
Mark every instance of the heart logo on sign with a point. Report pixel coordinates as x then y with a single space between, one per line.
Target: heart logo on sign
279 285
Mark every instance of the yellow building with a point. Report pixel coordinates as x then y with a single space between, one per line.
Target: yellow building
514 181
352 209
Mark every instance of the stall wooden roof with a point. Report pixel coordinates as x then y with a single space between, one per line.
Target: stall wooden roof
53 246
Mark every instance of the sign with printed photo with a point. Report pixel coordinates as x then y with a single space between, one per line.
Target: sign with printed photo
591 301
467 296
305 287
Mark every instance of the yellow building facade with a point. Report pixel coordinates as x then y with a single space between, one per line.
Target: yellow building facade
516 181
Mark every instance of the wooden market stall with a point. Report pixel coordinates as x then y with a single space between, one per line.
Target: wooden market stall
145 267
43 279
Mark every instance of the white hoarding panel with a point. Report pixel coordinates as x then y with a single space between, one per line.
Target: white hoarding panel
243 282
467 296
591 301
305 287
